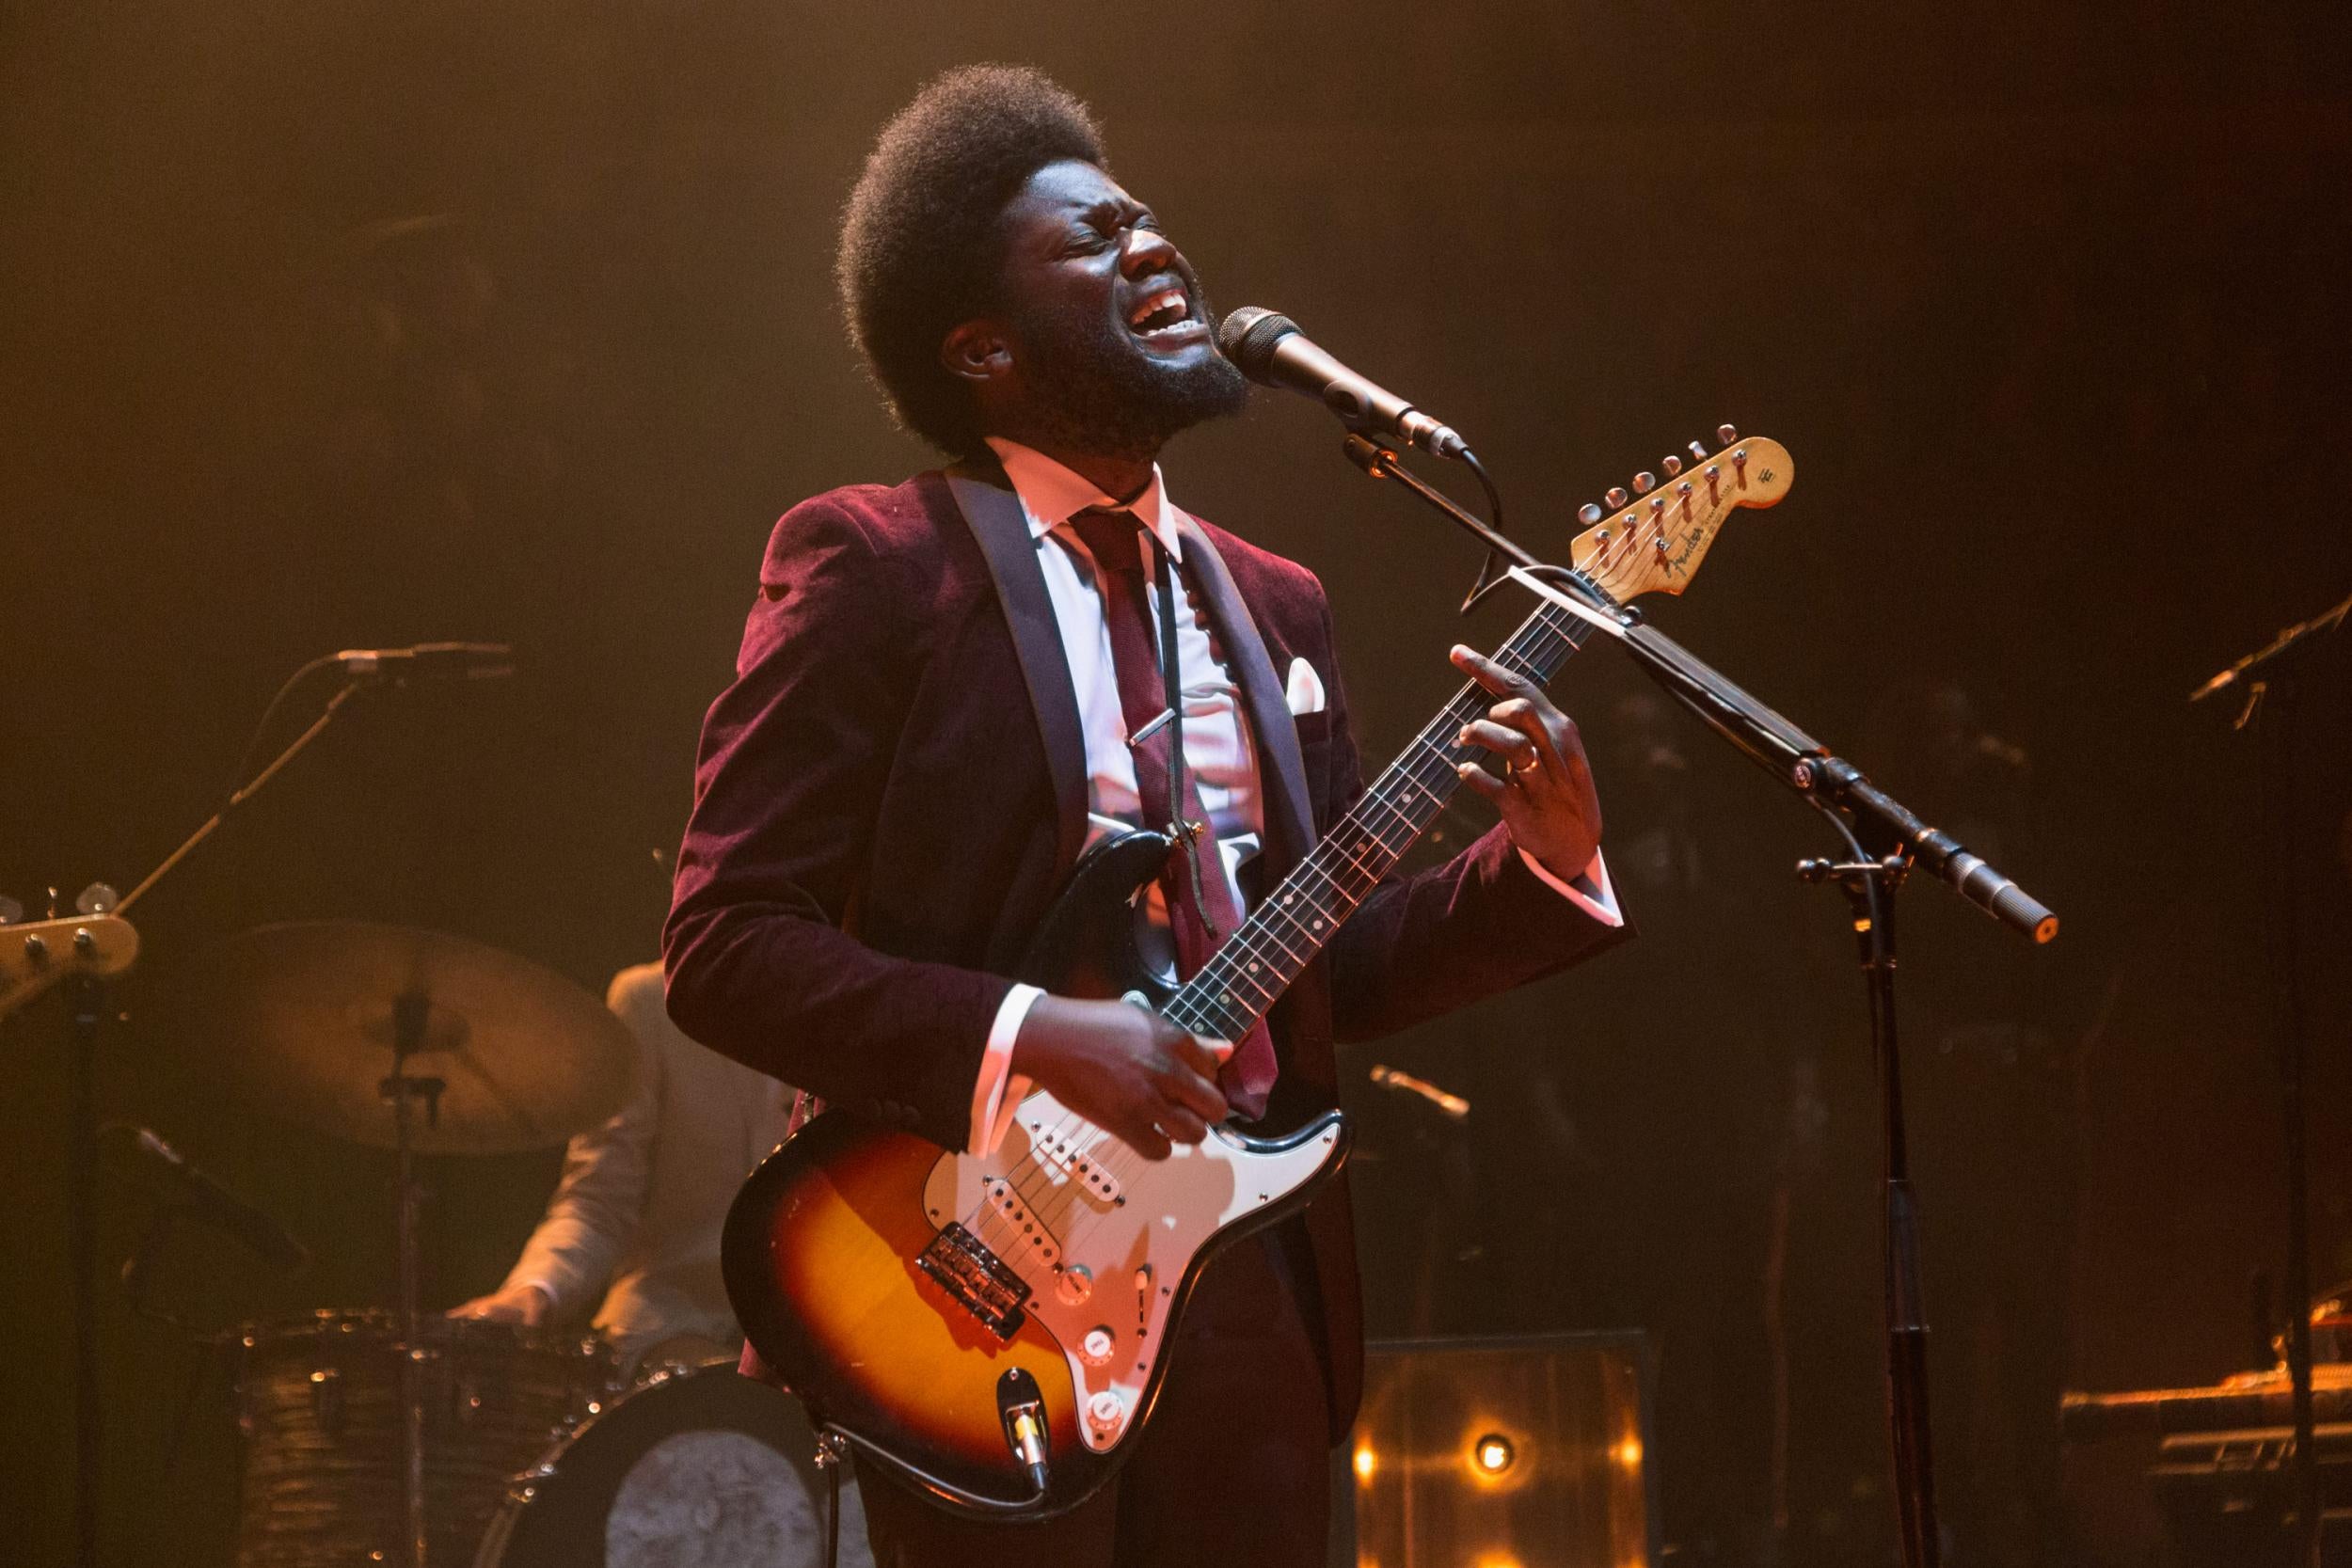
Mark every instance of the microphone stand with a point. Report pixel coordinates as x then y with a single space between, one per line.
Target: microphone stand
88 1004
2277 678
1882 841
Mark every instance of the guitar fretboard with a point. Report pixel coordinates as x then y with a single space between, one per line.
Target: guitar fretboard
1292 922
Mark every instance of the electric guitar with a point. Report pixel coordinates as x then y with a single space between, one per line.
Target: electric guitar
994 1327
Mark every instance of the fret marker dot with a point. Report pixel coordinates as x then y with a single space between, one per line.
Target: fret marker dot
1318 925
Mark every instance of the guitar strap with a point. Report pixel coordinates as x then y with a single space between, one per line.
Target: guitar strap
1171 681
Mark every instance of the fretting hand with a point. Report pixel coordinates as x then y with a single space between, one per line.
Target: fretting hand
1546 793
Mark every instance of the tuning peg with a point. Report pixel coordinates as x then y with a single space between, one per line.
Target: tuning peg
1673 465
1698 452
1725 435
1644 483
10 911
1588 513
1615 497
97 899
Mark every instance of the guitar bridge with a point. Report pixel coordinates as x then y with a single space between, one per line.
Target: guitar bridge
977 1279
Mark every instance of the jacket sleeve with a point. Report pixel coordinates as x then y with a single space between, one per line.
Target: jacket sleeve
1422 945
795 753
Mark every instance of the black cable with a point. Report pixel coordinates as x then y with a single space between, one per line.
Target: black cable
244 770
1486 482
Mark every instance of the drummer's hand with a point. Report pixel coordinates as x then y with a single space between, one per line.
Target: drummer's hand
526 1304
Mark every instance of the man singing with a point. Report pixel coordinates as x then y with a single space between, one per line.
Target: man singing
938 704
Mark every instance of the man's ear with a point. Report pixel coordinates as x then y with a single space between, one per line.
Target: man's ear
977 351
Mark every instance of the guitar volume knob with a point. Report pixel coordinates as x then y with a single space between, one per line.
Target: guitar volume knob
1076 1284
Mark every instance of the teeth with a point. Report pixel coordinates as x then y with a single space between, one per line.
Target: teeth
1167 299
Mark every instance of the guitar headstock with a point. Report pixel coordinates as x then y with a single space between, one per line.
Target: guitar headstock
37 954
1653 539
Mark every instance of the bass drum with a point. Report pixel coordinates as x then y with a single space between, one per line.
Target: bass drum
696 1467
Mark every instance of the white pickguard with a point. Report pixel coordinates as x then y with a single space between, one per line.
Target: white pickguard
1102 1236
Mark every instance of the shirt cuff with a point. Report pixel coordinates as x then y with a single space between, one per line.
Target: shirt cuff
1591 892
540 1283
998 1091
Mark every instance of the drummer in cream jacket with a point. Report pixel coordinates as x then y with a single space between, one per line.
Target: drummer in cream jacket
636 1217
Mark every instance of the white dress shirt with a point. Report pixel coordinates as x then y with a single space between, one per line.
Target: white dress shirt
1218 752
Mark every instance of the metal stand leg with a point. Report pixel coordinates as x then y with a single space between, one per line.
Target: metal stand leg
411 1011
87 1002
1870 888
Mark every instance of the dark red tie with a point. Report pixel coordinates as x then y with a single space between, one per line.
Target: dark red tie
1200 922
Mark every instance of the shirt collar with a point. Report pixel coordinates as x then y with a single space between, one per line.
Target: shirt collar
1052 494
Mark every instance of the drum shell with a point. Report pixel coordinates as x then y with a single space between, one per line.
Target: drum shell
319 1402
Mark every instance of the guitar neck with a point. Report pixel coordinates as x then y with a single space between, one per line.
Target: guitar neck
1292 923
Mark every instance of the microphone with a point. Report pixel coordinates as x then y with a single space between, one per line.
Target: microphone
223 1207
1271 351
431 661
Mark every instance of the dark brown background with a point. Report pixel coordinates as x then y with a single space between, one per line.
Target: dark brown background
371 324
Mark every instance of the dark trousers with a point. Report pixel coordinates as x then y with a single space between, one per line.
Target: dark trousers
1233 1468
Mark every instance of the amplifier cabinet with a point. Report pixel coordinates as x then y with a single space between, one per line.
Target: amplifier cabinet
1523 1452
2229 1497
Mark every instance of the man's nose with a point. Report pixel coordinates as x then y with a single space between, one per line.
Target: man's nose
1148 251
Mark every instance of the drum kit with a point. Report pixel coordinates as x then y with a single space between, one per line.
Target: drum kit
397 1437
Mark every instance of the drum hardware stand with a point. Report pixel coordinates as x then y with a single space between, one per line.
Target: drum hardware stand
833 1452
87 1004
2278 680
411 1011
1862 815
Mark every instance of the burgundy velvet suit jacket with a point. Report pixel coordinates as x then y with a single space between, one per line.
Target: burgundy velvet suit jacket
892 791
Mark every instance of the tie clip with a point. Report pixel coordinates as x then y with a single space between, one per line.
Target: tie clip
1151 729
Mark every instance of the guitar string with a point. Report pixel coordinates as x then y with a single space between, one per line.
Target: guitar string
1358 838
1363 827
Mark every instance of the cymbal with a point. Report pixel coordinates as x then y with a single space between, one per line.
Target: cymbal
302 1017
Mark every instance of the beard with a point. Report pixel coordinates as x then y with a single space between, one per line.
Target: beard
1096 388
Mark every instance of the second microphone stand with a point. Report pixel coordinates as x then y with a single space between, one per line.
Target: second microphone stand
1882 842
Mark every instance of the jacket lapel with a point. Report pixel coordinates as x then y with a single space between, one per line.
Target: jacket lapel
993 513
1281 773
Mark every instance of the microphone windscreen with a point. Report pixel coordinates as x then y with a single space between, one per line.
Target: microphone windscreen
1248 336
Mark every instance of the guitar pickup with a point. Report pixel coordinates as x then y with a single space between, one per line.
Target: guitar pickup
977 1279
1076 1161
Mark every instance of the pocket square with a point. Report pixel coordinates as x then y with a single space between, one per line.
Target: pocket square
1302 692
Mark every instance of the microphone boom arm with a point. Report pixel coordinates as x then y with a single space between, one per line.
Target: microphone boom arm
1800 763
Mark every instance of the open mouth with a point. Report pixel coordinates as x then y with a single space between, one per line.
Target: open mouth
1163 314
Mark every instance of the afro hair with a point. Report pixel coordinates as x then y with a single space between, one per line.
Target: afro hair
920 249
